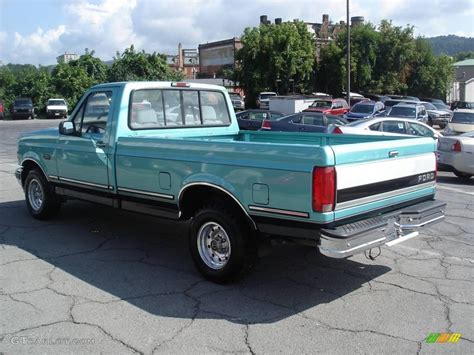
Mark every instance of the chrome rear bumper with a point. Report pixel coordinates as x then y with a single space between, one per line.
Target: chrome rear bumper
389 229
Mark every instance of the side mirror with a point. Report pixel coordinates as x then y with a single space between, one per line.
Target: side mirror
67 128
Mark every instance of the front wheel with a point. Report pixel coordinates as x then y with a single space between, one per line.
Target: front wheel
41 201
221 244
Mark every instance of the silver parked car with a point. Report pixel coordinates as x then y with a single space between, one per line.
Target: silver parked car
388 126
415 111
456 154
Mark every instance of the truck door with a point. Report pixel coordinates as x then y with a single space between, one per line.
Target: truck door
84 158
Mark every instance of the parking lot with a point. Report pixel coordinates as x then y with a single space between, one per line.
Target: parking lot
101 280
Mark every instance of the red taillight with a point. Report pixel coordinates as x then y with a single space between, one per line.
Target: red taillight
456 147
337 130
324 189
180 85
266 124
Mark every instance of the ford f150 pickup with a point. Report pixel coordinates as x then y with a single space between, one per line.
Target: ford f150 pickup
174 150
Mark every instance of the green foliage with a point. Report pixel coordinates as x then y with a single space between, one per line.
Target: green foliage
387 59
71 80
95 69
463 56
274 57
451 44
136 66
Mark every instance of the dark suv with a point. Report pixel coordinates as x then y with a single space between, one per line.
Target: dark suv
23 108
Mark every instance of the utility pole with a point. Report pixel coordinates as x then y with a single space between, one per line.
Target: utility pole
348 89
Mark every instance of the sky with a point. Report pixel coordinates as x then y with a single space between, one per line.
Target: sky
37 31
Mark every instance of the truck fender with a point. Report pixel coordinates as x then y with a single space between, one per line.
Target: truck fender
215 183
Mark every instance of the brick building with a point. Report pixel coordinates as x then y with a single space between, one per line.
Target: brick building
215 56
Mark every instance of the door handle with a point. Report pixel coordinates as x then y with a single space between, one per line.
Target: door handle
100 144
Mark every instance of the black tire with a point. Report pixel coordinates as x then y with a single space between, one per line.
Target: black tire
442 125
430 122
49 205
462 176
242 240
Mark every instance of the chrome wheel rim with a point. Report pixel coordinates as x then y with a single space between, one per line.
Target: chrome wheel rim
214 245
35 194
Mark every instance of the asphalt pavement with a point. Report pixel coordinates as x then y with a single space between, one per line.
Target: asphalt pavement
100 280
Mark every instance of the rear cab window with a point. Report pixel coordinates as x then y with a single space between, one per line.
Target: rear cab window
175 108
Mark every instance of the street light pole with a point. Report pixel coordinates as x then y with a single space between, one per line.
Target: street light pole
348 89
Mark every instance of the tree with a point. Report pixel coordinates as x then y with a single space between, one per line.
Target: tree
332 69
463 56
96 69
278 57
71 81
136 66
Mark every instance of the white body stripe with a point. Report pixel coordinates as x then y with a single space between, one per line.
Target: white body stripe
352 175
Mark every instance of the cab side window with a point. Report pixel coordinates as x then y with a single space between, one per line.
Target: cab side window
93 115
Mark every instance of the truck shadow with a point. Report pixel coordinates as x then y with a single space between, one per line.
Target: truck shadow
102 255
452 179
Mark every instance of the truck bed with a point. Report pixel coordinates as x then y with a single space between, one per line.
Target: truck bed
275 169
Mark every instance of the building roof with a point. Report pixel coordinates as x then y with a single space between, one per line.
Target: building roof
219 43
464 63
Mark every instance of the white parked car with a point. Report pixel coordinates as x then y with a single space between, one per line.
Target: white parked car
263 100
56 108
388 126
461 122
456 154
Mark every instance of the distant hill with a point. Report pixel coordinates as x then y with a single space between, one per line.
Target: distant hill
451 44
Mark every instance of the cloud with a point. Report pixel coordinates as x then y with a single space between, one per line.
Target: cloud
107 26
35 47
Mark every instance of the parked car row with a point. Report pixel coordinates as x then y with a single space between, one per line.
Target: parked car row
23 108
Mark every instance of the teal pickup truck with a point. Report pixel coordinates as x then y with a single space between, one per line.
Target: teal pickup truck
174 150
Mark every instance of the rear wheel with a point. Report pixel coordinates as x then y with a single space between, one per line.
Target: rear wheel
41 201
221 243
463 176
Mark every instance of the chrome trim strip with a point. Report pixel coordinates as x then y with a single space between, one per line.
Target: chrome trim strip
54 177
34 161
279 211
141 192
219 188
83 183
375 198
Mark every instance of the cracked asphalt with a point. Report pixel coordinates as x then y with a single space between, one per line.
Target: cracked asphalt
100 280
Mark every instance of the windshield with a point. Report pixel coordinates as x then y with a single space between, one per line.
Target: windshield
266 96
56 102
362 108
429 106
321 103
235 96
463 117
403 111
23 102
440 106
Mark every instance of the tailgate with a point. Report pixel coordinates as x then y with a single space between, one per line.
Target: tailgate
378 175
